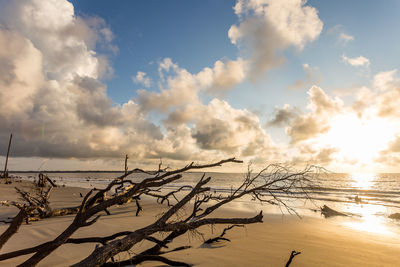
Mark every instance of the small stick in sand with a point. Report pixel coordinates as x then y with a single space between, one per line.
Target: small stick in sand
292 255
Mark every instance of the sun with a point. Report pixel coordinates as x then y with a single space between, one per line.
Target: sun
358 139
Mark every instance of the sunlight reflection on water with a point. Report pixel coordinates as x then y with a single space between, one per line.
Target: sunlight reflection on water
363 180
371 219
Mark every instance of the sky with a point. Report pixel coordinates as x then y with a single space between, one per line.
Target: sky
83 83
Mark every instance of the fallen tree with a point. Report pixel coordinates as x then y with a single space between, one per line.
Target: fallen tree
271 185
33 206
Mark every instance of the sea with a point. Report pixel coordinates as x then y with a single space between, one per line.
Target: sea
369 199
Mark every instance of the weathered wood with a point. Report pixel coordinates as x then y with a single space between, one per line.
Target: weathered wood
395 216
102 254
43 179
126 164
262 186
26 251
328 212
5 173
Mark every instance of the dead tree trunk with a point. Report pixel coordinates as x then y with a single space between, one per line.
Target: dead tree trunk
43 179
270 185
5 173
126 164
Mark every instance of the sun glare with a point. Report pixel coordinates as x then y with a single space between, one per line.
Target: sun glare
369 221
363 180
358 139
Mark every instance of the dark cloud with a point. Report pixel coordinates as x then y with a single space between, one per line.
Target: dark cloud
306 127
214 134
283 116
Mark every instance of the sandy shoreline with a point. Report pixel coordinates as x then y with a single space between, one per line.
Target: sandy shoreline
322 242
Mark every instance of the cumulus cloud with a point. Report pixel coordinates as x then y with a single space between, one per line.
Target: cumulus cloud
283 116
356 61
56 106
268 27
223 128
316 122
54 102
335 134
181 89
382 99
227 74
387 83
52 99
142 78
306 127
321 104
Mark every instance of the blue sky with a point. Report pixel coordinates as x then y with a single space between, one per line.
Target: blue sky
194 34
267 81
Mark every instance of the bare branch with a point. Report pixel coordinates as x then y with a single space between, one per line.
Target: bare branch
274 184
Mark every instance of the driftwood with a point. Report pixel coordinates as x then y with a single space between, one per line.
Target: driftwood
271 185
36 205
293 254
126 164
43 179
328 212
395 216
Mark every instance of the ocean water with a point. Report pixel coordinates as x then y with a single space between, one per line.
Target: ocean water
368 199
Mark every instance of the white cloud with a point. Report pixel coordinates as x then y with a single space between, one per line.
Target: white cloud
224 128
180 88
307 126
53 102
142 78
356 61
269 27
52 99
227 74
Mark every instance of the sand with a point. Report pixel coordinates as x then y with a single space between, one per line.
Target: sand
322 242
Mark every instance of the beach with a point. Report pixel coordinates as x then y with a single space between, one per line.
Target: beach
322 242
